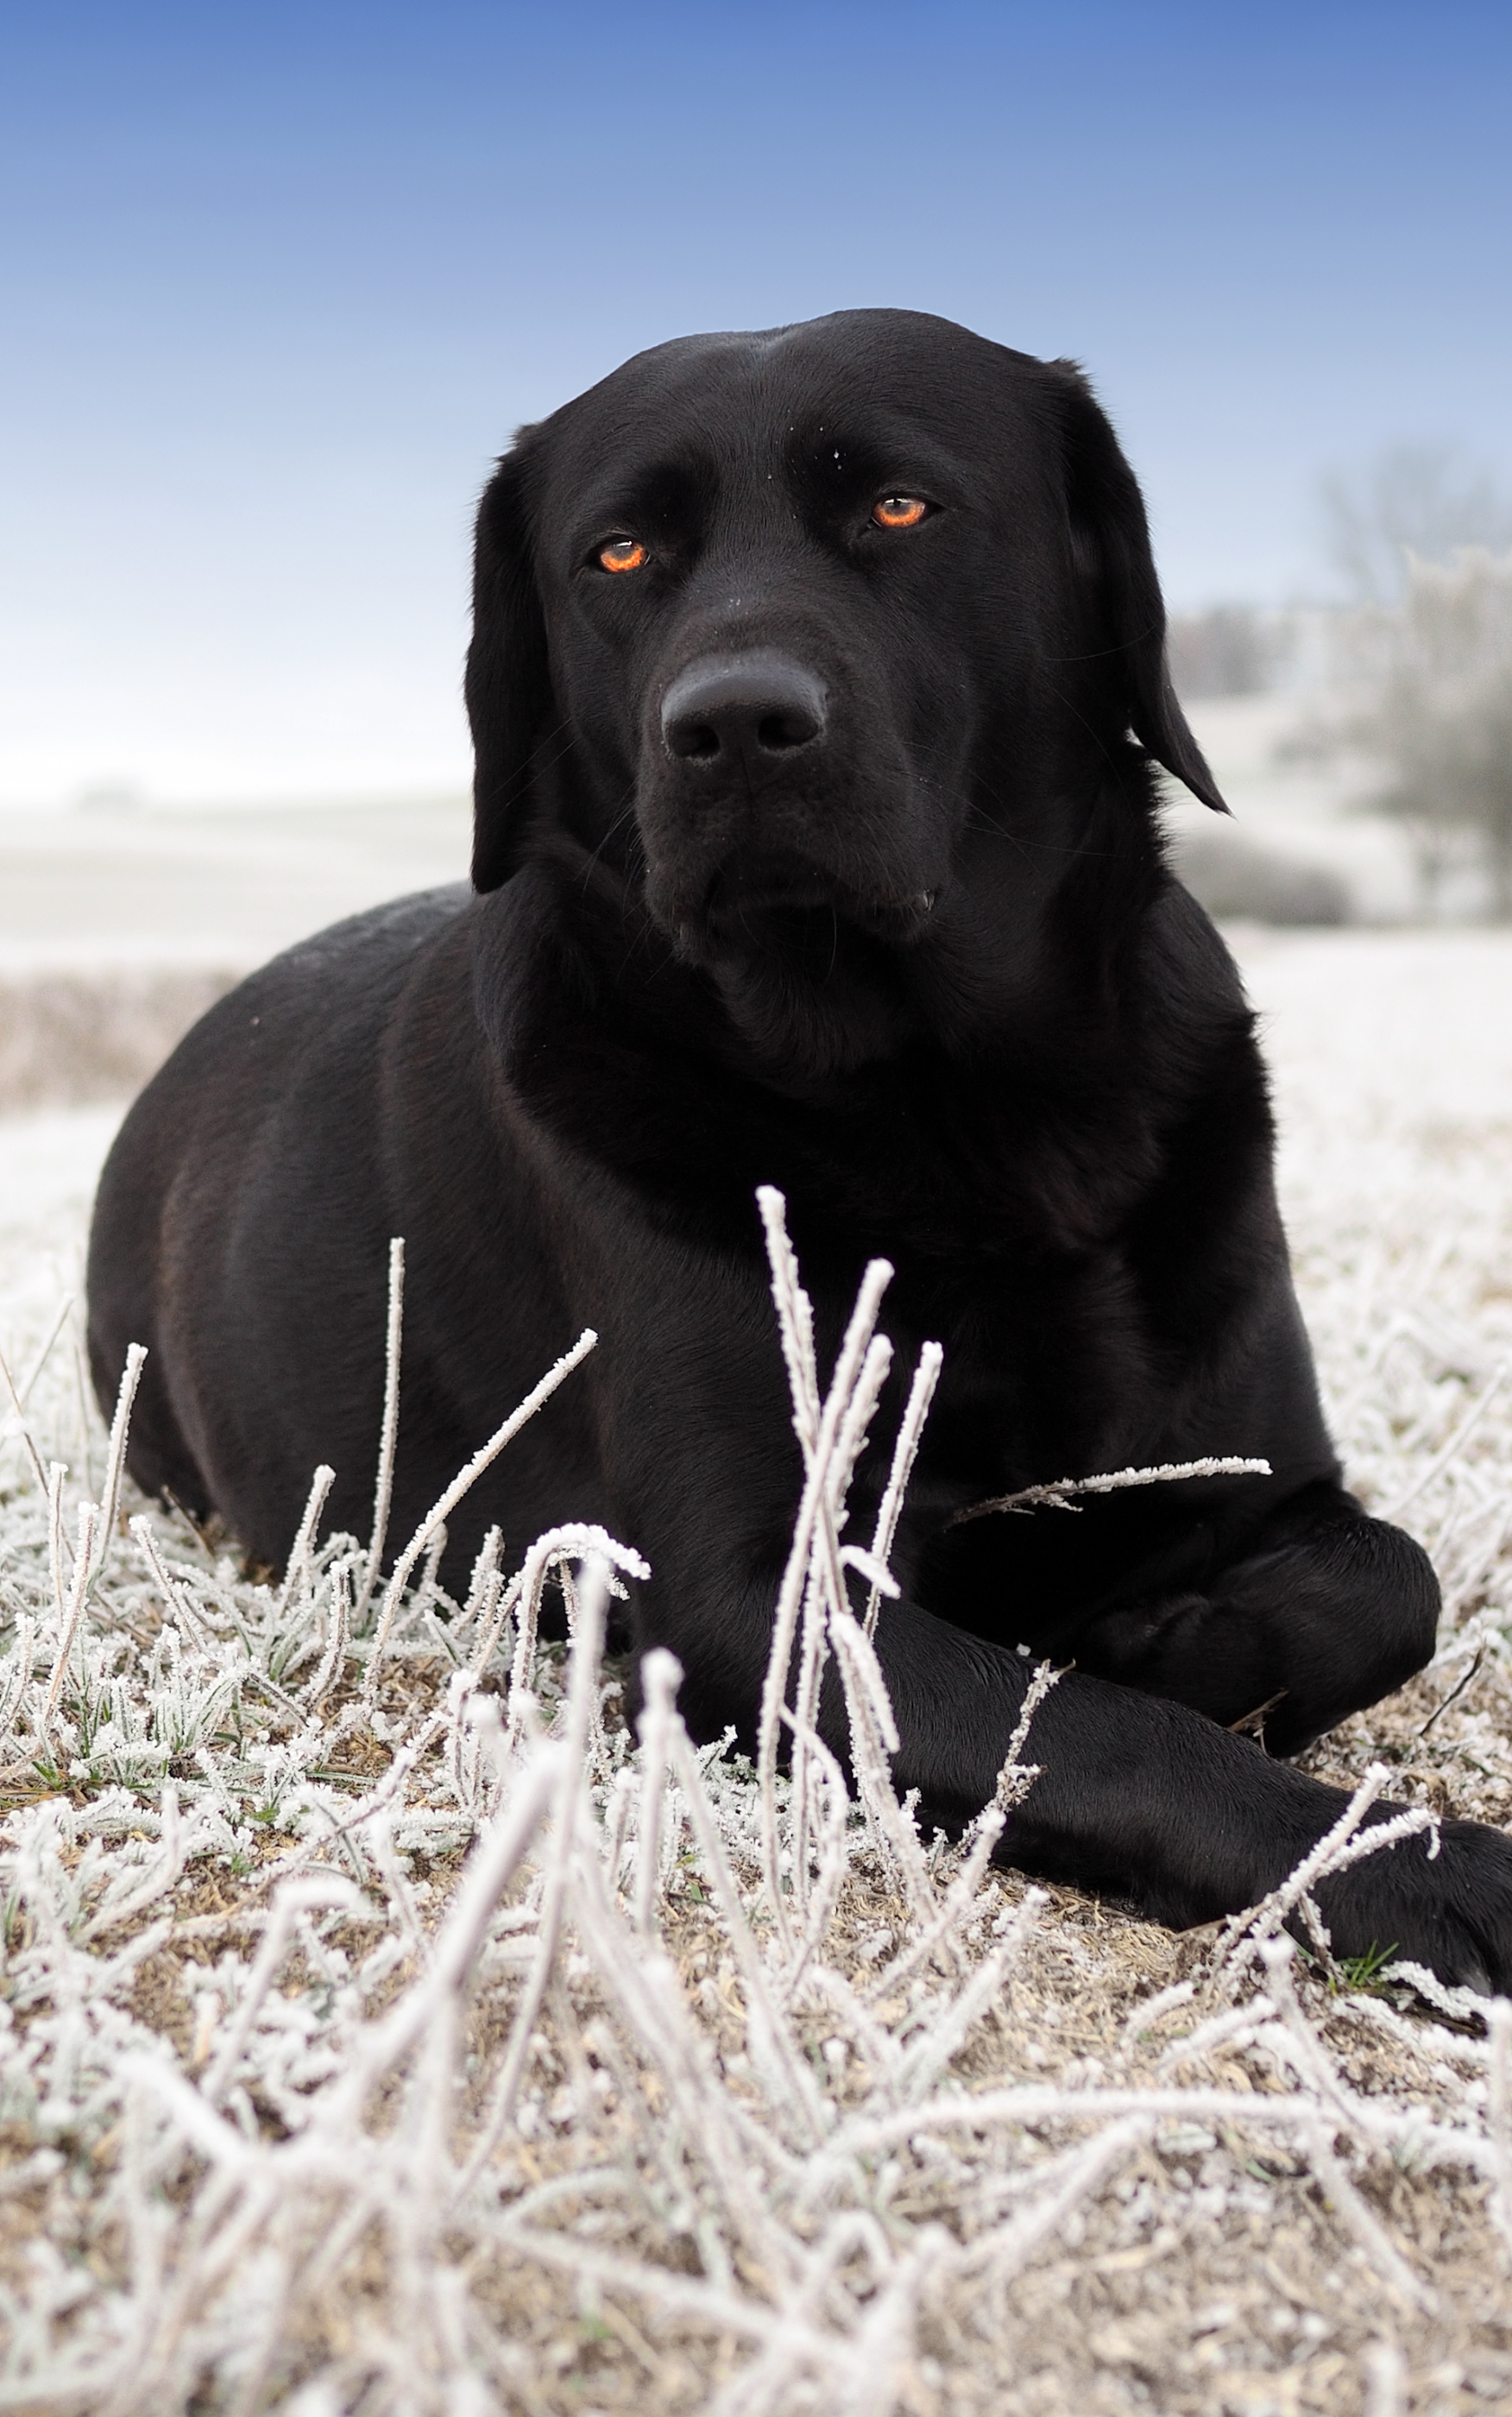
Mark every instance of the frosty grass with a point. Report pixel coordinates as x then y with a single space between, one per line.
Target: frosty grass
383 2028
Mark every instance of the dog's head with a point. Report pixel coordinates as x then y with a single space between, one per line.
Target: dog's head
822 637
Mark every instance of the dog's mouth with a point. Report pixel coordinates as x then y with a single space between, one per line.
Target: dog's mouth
792 909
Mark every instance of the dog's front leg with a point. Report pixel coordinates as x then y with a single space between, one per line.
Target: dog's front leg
1326 1612
1139 1797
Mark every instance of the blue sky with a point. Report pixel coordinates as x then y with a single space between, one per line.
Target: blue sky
279 280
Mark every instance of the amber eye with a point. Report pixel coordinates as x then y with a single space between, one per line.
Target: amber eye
622 553
899 511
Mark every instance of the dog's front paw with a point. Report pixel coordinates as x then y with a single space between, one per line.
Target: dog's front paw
1451 1911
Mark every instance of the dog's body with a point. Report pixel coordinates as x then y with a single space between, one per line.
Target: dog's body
813 849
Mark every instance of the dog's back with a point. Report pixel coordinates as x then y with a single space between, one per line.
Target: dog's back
260 1126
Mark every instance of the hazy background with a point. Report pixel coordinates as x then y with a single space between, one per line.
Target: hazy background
279 282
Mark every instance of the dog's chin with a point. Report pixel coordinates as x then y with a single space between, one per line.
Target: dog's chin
812 990
801 916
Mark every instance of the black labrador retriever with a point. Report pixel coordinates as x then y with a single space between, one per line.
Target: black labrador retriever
816 687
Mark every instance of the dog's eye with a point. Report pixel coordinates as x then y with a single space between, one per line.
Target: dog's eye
622 553
899 511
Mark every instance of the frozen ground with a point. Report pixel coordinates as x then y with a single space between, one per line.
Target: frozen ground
359 2052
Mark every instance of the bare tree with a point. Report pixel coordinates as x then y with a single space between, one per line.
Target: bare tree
1421 501
1229 650
1434 708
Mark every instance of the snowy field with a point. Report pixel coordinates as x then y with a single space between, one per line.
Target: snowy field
374 2038
127 884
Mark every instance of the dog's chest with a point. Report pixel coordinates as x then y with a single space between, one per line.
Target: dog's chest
1009 1212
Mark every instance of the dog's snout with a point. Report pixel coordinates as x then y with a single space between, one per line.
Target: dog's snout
731 708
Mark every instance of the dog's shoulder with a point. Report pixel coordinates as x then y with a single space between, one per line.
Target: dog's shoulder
321 1004
362 949
1208 1233
1187 960
1198 1028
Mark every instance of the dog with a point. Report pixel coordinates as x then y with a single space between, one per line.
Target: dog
818 694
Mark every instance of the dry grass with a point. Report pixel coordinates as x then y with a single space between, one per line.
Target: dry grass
71 1037
275 1967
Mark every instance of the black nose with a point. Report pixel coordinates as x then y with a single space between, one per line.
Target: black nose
753 707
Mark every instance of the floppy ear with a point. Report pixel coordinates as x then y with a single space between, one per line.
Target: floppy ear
1111 538
508 687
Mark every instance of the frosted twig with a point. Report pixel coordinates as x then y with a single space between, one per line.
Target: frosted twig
116 1456
494 1859
873 1737
1460 2004
117 1908
44 1354
1006 2250
1236 2026
296 1574
315 1692
796 1324
22 1429
1027 2104
1335 1851
294 1897
1057 1494
832 1859
954 1909
17 1680
88 1517
573 1543
1368 2230
661 1675
583 1683
813 1651
794 1316
890 1510
461 1484
826 1586
482 1593
763 2390
809 2167
406 1762
859 1412
1425 2039
1307 2055
775 2038
926 2057
56 1539
1016 1778
825 1589
495 1601
175 1598
382 1492
651 2001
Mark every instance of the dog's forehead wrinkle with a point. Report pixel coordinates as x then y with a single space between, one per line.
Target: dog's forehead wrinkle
819 373
766 418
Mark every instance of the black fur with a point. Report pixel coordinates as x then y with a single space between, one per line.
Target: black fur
875 911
